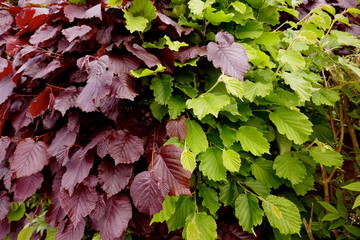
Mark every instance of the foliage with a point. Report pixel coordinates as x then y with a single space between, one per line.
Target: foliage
206 118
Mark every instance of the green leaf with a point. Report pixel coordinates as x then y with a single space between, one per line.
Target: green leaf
188 160
96 236
231 160
285 164
158 110
211 164
295 125
233 86
352 186
252 29
174 45
217 17
256 89
144 72
200 226
326 156
135 23
228 193
227 135
239 7
183 207
357 202
282 214
293 58
283 142
25 233
330 217
162 87
297 83
196 138
263 170
176 106
258 186
197 6
328 207
353 230
325 96
168 209
210 198
306 185
17 211
115 3
140 13
252 140
208 103
50 234
268 38
248 211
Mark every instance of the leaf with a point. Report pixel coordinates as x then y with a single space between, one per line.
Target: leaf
355 186
229 56
297 83
217 17
263 170
43 34
293 58
325 96
258 186
198 6
256 89
252 29
123 87
149 59
177 128
17 211
140 13
168 209
330 217
115 3
352 229
125 148
29 157
179 29
306 185
176 106
188 160
233 86
4 205
184 207
210 198
295 125
123 63
326 156
208 103
285 164
144 72
231 160
6 87
5 21
248 211
282 214
79 204
167 166
196 138
66 99
76 31
148 192
162 87
357 202
211 164
200 226
252 140
113 178
70 231
27 186
25 233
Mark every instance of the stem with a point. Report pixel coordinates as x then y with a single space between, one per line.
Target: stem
325 181
217 82
308 230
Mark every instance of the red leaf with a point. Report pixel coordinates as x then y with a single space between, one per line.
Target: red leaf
66 99
177 128
115 218
80 12
229 56
179 29
4 111
30 18
70 231
40 103
188 53
77 170
4 143
55 64
167 166
125 148
123 63
6 88
55 213
23 118
113 178
4 204
5 67
5 21
29 158
148 193
43 34
123 87
79 204
76 31
27 186
149 59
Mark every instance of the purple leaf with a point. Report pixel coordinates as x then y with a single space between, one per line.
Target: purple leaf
123 63
148 193
115 218
43 34
5 67
109 106
113 178
230 57
55 213
29 158
70 231
55 64
23 118
66 99
76 31
79 204
123 87
6 87
97 87
167 166
4 144
77 170
4 204
188 53
27 186
5 21
103 36
347 3
95 11
4 228
177 128
125 148
80 12
179 29
149 59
